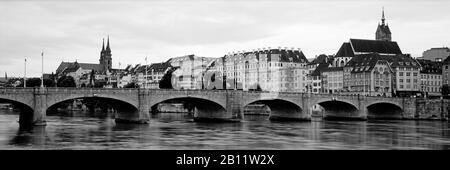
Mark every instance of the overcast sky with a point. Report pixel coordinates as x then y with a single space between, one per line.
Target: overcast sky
73 30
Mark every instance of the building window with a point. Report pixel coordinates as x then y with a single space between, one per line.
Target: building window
400 74
408 74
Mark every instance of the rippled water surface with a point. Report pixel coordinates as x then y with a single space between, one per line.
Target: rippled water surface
178 131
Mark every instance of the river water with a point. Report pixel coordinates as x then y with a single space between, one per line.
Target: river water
178 131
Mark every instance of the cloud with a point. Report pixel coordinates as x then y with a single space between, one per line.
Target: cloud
73 30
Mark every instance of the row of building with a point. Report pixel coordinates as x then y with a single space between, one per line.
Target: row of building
360 66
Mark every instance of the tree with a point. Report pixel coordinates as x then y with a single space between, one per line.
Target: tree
131 85
33 82
66 81
445 90
258 88
166 80
99 84
48 83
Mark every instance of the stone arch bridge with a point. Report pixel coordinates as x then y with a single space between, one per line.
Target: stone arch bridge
134 105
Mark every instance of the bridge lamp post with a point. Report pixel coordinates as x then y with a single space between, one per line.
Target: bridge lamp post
203 73
42 70
145 73
25 74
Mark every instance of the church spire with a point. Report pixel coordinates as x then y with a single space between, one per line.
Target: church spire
107 45
103 46
382 17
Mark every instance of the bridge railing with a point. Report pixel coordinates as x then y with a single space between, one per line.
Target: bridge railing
86 89
17 90
99 90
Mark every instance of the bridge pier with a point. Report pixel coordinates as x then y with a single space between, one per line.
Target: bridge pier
40 108
141 115
234 111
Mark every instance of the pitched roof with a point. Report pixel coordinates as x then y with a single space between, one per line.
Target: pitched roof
319 69
160 67
430 66
89 66
345 51
366 62
375 46
289 55
446 61
322 58
72 67
331 69
86 66
402 60
62 66
295 56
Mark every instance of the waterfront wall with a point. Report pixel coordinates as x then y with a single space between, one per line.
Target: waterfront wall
432 109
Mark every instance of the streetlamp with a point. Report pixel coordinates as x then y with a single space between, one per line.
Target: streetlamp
42 70
25 74
145 72
203 73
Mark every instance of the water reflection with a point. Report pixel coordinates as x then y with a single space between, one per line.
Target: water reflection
179 131
30 136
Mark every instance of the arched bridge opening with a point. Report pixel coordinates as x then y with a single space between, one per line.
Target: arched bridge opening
26 112
192 108
93 107
336 110
384 111
276 109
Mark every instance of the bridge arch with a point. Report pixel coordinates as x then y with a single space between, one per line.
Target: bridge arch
122 107
384 110
26 111
339 109
201 107
281 109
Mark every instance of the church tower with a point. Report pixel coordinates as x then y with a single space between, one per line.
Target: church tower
105 56
383 31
